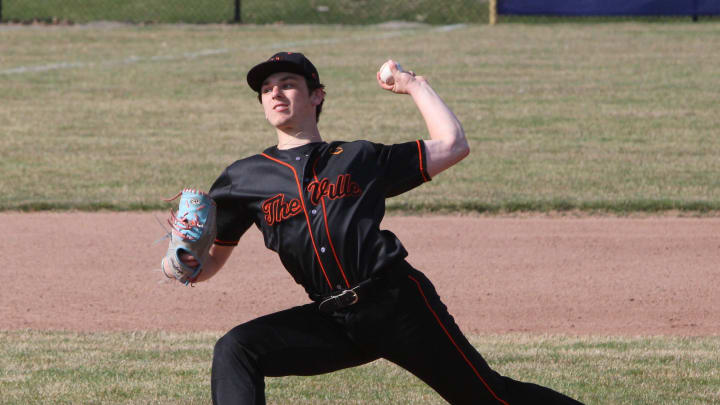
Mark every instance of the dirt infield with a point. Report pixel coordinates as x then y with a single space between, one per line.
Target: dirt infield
610 276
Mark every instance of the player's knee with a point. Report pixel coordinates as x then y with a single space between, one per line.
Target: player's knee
235 345
223 346
234 358
235 372
227 346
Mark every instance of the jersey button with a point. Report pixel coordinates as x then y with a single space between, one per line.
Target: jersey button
297 158
313 211
322 249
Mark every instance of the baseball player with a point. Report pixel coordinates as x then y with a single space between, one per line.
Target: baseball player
319 206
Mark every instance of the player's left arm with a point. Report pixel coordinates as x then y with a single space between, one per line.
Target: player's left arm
217 257
447 144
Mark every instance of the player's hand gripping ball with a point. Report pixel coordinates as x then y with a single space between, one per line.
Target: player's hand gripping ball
392 77
193 232
386 74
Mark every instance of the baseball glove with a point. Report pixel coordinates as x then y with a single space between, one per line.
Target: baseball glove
193 231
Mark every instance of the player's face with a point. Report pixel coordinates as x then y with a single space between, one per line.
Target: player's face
286 100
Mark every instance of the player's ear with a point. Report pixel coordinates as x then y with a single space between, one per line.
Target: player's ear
317 96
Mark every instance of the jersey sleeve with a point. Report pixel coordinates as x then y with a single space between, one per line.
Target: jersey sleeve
233 219
403 166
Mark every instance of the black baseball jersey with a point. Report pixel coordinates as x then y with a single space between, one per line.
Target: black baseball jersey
319 206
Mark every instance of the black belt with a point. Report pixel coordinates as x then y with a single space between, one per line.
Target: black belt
345 298
379 280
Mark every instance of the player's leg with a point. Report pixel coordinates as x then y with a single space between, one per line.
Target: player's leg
431 346
297 341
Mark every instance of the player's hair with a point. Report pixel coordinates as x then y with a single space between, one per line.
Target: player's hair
311 87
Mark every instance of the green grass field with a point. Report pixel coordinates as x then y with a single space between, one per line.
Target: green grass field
351 12
167 368
251 11
615 117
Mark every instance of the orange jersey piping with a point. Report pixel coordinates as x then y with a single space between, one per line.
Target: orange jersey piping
307 218
226 242
327 230
420 159
437 318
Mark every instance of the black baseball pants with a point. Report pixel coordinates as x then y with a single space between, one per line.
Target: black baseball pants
403 321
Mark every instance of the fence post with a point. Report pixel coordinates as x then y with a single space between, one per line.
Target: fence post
238 17
0 10
492 4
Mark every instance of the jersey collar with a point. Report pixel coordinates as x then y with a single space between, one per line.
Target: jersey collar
296 151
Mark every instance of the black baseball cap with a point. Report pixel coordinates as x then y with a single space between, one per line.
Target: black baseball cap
293 62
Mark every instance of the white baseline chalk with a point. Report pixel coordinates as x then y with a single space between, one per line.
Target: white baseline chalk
214 52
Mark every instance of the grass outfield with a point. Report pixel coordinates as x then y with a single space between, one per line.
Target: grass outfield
83 11
604 117
290 12
152 367
252 11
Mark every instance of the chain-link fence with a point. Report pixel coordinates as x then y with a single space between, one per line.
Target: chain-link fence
246 11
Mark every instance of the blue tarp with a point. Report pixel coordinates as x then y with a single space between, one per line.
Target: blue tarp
609 7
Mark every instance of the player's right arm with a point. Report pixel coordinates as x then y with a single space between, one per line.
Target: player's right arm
219 255
447 144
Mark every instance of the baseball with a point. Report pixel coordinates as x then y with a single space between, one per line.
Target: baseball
386 73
